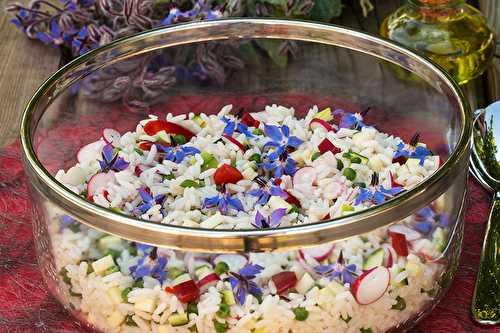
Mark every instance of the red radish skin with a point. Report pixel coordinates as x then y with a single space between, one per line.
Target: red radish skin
400 159
319 253
327 145
234 142
154 126
226 174
111 136
98 182
284 281
146 145
409 233
394 183
315 122
90 152
208 281
371 285
390 255
250 121
186 291
399 243
292 200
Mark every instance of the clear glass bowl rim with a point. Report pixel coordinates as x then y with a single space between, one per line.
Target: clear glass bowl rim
248 240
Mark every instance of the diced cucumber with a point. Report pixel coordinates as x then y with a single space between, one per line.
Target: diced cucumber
101 265
439 239
325 115
178 319
109 243
376 258
209 161
305 284
202 271
346 208
228 297
181 279
174 272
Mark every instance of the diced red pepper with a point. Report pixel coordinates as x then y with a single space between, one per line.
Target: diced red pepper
145 145
235 142
250 121
226 174
327 145
326 217
399 243
292 200
186 291
169 290
155 126
284 281
400 159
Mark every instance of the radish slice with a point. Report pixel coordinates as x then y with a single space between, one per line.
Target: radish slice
409 233
99 181
304 178
319 253
90 152
234 261
234 141
111 136
371 285
208 281
320 123
390 255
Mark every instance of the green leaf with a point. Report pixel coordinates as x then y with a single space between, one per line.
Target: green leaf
325 10
272 47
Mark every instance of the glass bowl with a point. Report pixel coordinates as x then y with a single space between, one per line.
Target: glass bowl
85 251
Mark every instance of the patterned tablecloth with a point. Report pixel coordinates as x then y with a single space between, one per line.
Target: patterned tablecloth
26 306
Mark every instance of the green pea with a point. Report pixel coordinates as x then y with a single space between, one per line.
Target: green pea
221 268
224 310
315 156
349 173
192 308
355 160
139 283
340 165
180 139
400 304
301 313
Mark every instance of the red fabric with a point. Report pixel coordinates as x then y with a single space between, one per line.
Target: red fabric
26 306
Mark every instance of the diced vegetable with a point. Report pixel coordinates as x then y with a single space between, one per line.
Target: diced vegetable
277 203
400 304
325 115
181 279
250 121
255 157
320 123
192 308
228 297
327 145
349 173
235 142
284 281
99 181
190 183
399 243
186 291
304 178
174 272
178 319
90 152
221 267
220 327
154 126
376 258
208 281
315 155
124 294
101 265
224 310
226 174
234 261
145 304
300 313
109 243
305 284
179 139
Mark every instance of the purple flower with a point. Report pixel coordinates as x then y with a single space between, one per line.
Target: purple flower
401 151
349 120
265 192
337 271
111 161
231 126
420 153
177 154
223 201
82 43
150 265
279 164
200 11
148 201
280 139
56 35
272 221
377 196
242 283
426 220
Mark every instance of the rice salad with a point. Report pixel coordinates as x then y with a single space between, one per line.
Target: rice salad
265 169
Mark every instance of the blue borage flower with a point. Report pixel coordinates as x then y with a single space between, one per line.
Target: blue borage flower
223 201
177 154
378 196
111 161
266 190
349 120
150 264
66 221
272 221
242 283
200 10
231 126
280 139
420 153
279 165
56 35
148 201
401 151
344 273
427 220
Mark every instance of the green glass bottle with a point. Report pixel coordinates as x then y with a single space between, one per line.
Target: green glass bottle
452 33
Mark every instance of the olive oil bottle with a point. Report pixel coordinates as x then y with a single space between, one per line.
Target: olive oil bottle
451 33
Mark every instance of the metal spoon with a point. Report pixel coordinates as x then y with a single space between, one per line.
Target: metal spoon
485 165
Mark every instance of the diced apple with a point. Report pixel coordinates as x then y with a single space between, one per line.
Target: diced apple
305 284
115 319
115 295
413 268
276 202
101 265
146 304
